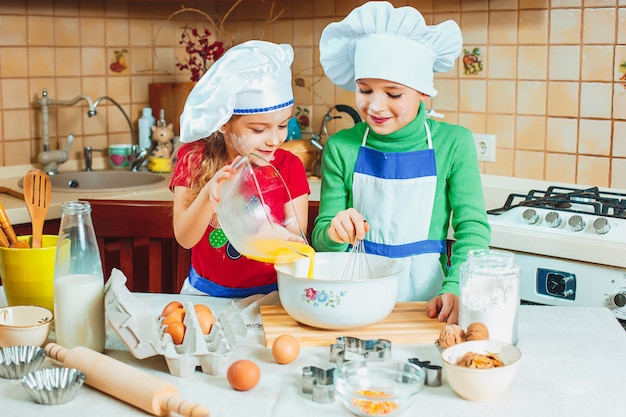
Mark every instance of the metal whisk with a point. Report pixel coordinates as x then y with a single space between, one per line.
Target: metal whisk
357 266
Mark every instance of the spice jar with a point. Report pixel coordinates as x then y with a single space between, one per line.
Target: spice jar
78 281
489 293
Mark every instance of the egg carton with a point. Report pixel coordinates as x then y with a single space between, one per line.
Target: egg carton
143 332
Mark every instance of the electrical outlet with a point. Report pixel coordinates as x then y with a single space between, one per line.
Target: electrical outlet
485 147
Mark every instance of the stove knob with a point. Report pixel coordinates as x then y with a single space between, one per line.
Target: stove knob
576 222
619 299
601 225
553 219
531 216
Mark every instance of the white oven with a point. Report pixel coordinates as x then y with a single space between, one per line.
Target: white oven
570 243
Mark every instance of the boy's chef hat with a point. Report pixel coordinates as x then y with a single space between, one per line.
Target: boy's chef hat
377 40
252 77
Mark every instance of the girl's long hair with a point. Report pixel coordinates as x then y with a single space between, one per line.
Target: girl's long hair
204 158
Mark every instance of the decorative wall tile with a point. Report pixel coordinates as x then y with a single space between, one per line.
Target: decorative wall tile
549 67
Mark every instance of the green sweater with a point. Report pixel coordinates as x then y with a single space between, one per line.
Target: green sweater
458 198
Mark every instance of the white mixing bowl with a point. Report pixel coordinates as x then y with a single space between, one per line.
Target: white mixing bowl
331 301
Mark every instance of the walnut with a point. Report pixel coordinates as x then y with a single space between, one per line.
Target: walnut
476 360
477 331
451 335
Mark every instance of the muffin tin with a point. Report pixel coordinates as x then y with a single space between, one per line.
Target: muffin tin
53 386
17 361
142 332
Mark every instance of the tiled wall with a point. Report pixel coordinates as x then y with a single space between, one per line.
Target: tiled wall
550 88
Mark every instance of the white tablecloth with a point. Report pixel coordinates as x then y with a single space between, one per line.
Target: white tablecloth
573 364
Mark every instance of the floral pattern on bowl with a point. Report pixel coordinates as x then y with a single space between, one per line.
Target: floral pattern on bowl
322 297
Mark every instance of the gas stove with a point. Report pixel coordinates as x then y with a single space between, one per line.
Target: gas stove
570 243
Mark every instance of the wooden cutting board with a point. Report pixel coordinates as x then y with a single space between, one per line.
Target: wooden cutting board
406 324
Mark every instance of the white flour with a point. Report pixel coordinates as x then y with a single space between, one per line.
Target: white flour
492 300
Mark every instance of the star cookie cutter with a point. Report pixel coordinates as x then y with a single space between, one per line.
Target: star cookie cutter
432 373
319 383
374 348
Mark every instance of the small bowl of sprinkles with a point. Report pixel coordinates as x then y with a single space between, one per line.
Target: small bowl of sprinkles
377 387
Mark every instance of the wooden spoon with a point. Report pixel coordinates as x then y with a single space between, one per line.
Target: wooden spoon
37 191
9 232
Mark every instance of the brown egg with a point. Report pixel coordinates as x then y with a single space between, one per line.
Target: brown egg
171 307
201 307
177 331
176 315
206 320
285 349
243 375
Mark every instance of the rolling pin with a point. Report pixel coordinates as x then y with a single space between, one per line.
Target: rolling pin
122 381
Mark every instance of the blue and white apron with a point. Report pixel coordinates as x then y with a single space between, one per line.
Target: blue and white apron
405 182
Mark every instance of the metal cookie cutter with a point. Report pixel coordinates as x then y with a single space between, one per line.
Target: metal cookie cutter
432 373
319 383
374 348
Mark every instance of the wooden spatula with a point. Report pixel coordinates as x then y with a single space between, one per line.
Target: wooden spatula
9 232
37 191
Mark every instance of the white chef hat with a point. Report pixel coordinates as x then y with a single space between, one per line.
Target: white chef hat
377 40
250 78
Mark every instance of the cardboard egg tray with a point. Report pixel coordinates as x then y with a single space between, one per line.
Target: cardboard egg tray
144 335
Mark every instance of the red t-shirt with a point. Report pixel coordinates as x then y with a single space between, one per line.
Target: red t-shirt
214 258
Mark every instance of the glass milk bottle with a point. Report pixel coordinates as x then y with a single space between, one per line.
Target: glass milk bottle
78 281
489 293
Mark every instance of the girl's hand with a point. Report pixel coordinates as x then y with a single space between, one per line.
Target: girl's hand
348 225
212 188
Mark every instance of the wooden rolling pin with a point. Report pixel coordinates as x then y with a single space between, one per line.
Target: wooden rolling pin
122 381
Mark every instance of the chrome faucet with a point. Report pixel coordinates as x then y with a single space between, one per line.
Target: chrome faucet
88 151
51 159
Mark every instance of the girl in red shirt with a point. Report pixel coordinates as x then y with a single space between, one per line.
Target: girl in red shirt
241 105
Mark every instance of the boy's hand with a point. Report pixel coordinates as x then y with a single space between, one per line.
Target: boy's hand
445 307
348 225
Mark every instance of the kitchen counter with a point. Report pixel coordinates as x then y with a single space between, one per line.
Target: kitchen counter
572 365
496 189
18 213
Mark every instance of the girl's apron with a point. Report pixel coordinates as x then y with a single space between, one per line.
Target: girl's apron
395 192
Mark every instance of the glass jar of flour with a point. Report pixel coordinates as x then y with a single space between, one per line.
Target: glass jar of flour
489 293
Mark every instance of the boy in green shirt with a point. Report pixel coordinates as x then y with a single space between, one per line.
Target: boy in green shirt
412 176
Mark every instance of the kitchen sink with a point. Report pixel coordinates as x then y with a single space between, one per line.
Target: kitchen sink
103 181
